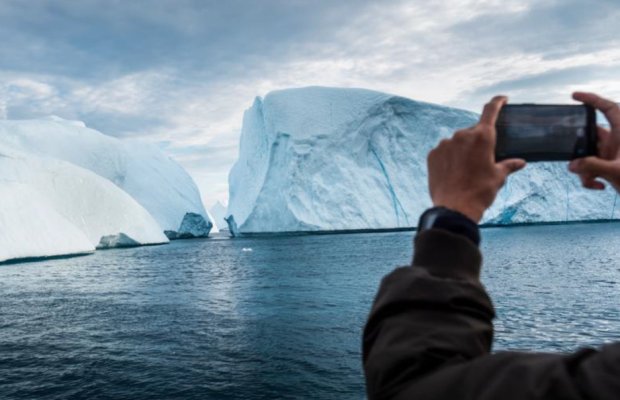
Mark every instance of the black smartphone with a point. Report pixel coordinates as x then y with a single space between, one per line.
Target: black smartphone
537 132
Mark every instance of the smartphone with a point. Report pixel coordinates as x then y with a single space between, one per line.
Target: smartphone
537 132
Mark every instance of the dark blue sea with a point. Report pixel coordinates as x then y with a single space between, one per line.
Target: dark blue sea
272 318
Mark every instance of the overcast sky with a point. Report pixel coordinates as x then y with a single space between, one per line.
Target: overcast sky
180 73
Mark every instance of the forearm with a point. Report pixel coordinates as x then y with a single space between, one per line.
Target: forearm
430 330
428 316
429 336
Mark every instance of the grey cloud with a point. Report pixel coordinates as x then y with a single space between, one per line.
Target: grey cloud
554 29
210 158
210 57
196 43
213 156
94 39
553 78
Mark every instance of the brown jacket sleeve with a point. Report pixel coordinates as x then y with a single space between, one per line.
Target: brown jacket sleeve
430 331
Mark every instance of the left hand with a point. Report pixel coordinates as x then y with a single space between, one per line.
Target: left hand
606 165
462 172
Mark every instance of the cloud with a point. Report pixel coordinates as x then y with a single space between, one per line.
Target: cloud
101 40
549 79
556 29
181 73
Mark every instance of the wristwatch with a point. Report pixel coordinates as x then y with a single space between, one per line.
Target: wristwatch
451 221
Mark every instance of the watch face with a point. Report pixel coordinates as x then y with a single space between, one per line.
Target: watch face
429 219
452 221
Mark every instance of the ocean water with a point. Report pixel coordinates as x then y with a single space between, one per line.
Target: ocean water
273 318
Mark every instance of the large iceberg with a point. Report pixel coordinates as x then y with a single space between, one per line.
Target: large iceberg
351 159
67 189
51 207
155 181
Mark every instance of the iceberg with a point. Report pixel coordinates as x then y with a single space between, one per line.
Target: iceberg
218 212
325 159
154 180
51 208
193 226
67 189
232 226
120 240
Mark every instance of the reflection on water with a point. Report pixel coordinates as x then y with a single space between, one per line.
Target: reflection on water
555 287
211 319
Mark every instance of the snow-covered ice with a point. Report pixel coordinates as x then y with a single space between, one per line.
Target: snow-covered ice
155 181
33 228
68 189
336 159
51 207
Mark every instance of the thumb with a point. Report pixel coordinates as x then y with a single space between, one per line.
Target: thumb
511 165
596 167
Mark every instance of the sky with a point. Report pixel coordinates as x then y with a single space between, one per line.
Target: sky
180 73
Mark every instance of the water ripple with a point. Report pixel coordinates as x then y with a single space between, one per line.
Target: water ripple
208 320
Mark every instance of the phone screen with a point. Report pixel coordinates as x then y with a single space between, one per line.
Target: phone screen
543 132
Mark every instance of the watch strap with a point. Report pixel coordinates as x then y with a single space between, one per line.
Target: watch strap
451 221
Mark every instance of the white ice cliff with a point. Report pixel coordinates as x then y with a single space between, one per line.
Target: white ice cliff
51 207
338 159
66 189
154 180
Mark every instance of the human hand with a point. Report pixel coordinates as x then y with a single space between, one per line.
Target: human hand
462 172
607 164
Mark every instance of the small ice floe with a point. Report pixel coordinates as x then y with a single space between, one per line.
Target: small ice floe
246 249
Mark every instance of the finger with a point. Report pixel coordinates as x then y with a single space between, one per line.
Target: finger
605 146
608 107
603 134
595 185
491 110
589 182
511 166
596 167
461 136
443 143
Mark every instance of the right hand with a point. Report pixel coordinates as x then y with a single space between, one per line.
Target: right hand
607 164
462 173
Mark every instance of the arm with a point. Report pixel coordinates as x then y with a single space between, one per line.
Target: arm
430 330
423 319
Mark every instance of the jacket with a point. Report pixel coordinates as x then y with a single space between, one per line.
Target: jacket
430 331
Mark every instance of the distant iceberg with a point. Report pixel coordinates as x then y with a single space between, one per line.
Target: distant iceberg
193 226
218 212
346 159
68 189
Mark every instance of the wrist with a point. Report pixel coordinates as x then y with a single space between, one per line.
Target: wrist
449 220
467 209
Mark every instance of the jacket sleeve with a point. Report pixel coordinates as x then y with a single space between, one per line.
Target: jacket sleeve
430 331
